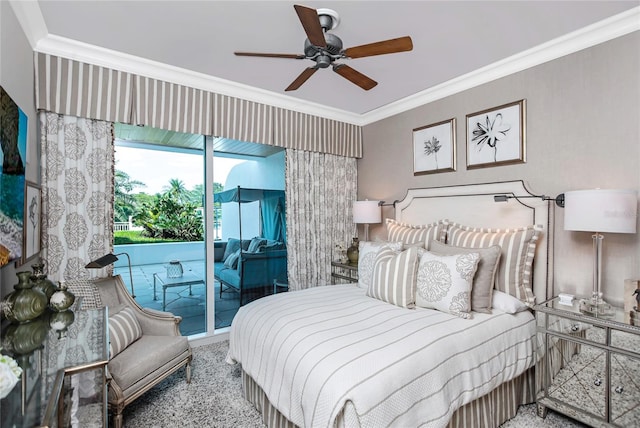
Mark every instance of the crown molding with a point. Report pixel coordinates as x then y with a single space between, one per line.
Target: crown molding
32 22
600 32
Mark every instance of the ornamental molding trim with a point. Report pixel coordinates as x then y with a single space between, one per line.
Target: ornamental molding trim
32 23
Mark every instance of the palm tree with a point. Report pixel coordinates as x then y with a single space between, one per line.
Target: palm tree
124 201
196 195
177 189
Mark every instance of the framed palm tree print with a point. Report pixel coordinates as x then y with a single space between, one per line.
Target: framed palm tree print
434 148
496 136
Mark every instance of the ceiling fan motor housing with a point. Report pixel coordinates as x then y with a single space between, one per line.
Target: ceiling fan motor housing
334 46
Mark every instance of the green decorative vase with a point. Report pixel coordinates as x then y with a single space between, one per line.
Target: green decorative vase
24 303
353 252
40 281
23 339
61 299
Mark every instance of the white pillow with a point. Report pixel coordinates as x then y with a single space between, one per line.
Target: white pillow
367 252
507 303
444 282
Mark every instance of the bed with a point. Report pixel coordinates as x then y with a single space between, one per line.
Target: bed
363 356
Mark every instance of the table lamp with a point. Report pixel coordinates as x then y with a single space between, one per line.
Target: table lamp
366 212
600 211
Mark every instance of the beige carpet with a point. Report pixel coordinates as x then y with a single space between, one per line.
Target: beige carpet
214 399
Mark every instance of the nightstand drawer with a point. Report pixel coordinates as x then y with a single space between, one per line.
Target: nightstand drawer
566 326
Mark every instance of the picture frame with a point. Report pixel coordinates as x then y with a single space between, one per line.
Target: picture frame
497 136
434 148
32 220
12 179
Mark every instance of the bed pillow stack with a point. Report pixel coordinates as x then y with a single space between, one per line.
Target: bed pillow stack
457 277
382 265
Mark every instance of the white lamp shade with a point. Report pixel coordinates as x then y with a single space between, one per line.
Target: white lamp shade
601 210
367 212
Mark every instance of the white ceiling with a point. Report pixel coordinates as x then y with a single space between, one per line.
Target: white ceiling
192 42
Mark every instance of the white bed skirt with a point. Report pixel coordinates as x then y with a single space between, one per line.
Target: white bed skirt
490 410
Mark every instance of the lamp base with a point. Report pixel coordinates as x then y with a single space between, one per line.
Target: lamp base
595 308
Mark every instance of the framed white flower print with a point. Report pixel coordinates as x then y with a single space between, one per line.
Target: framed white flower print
496 136
434 148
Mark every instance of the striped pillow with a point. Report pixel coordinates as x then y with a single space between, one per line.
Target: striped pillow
367 257
444 282
394 276
124 329
411 234
518 247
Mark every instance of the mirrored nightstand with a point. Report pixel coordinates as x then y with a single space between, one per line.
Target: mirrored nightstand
589 367
343 272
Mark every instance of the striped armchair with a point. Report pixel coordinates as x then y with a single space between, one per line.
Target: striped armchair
145 345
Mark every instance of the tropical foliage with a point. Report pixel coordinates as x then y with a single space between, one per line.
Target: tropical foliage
173 214
125 202
171 217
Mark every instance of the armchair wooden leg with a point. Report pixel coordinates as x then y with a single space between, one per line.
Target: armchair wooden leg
189 371
117 417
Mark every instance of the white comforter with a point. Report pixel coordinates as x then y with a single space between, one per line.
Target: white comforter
314 351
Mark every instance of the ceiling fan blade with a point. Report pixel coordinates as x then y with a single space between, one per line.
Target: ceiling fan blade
354 76
301 79
270 55
401 44
311 24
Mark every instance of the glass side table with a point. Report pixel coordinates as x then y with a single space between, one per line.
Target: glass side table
589 366
63 380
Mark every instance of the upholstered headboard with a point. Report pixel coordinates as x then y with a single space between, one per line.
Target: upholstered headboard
473 205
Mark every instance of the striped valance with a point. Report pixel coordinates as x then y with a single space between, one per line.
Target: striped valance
75 88
83 90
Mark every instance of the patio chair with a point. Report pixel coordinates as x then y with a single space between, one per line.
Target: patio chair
145 345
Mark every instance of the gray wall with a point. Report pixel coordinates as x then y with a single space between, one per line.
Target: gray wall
16 77
583 131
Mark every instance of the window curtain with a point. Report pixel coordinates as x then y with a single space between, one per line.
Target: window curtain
272 209
77 194
320 191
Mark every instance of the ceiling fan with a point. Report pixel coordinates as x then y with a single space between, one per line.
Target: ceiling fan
325 48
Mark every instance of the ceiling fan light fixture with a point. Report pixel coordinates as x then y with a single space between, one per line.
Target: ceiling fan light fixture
323 61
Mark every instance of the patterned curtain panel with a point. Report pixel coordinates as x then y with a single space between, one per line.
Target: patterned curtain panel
77 194
320 190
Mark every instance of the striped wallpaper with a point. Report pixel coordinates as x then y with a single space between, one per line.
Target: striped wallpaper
74 88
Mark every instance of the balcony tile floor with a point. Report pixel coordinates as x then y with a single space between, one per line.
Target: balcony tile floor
192 308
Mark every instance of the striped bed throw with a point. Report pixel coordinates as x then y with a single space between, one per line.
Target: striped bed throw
317 351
